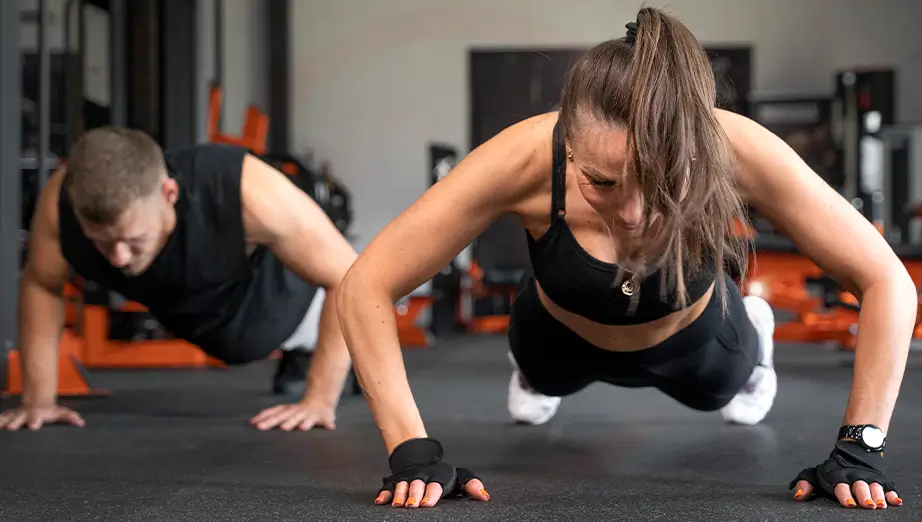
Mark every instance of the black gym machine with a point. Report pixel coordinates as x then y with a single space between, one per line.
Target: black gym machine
26 143
10 182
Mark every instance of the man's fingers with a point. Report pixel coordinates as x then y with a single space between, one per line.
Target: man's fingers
293 418
74 418
16 422
265 414
268 423
329 424
273 420
36 419
476 490
308 423
803 490
319 421
35 422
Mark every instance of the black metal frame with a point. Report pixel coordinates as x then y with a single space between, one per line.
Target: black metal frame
44 94
219 42
279 106
10 182
179 69
118 63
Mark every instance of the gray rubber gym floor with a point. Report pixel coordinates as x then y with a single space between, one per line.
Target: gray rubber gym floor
175 446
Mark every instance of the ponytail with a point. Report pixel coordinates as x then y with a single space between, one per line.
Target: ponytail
657 83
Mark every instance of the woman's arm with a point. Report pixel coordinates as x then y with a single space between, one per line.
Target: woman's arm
842 242
491 181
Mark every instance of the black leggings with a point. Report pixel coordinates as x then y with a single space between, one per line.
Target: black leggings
703 366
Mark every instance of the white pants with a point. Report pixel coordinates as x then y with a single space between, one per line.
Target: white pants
305 335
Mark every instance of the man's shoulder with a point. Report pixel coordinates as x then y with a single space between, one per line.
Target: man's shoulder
211 168
209 174
206 156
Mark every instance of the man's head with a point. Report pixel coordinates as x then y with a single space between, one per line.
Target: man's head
120 190
638 114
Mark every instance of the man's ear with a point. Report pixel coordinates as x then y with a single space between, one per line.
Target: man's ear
170 190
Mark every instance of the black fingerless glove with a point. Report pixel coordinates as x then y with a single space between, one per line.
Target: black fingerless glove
848 463
421 459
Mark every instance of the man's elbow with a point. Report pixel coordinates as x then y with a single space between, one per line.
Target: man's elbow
344 260
339 256
34 276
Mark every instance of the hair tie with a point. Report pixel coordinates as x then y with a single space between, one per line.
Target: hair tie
631 30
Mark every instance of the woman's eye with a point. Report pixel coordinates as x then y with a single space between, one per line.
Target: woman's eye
600 183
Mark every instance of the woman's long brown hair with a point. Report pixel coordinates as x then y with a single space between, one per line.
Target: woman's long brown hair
658 84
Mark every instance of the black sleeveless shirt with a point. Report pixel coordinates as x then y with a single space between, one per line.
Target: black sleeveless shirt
203 287
586 286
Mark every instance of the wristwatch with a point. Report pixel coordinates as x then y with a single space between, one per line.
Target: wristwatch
868 435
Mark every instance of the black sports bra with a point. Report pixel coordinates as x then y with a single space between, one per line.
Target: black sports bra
584 285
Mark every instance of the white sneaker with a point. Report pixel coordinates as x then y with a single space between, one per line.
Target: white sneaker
753 403
527 406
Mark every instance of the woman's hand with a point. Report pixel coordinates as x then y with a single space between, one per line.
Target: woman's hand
420 473
851 475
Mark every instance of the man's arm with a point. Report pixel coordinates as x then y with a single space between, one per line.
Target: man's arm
285 219
835 236
41 301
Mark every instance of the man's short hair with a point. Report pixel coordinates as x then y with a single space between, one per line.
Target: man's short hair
110 168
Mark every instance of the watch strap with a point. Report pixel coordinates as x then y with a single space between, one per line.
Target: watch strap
856 432
851 431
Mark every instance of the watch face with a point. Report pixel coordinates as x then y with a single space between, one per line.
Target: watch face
873 437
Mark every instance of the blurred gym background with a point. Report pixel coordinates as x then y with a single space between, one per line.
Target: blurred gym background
367 103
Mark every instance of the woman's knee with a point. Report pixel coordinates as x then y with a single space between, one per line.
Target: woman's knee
554 385
702 401
542 375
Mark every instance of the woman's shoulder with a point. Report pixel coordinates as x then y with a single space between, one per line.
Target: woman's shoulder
528 145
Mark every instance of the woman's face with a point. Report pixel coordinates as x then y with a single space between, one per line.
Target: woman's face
600 157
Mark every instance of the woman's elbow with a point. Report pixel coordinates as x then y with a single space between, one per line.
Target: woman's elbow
344 294
896 273
898 283
908 290
355 289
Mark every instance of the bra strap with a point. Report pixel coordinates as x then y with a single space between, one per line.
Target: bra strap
559 189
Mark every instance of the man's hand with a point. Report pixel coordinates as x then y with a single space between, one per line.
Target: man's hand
302 416
35 418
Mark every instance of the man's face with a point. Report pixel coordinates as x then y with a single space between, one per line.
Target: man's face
133 242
